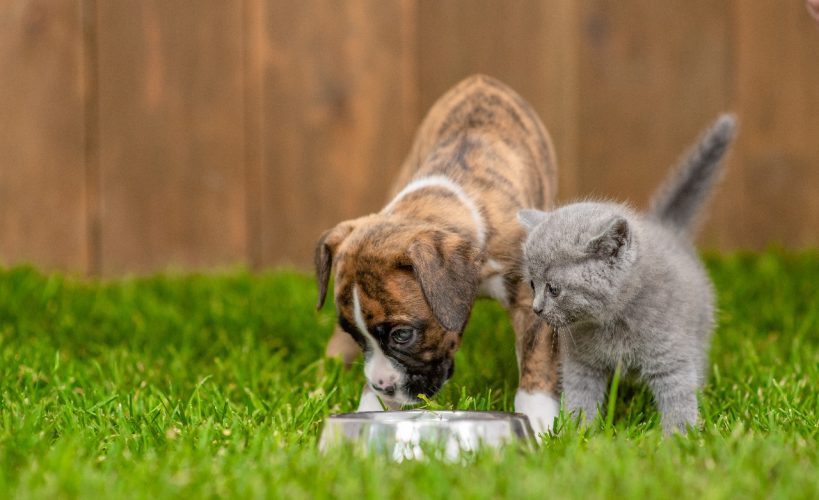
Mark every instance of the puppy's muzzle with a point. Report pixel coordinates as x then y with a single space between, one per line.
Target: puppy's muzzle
388 389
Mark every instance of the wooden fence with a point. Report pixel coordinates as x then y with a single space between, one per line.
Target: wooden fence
143 135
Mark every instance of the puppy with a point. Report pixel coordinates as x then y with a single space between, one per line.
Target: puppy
407 276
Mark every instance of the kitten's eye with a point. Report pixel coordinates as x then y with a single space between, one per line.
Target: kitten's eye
403 334
553 289
532 284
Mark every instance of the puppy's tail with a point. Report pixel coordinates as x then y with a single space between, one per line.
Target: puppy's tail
678 201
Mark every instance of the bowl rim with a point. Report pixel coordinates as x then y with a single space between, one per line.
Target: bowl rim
394 416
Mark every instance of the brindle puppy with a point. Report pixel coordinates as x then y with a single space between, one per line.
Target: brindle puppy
407 276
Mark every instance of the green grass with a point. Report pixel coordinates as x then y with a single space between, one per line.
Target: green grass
203 386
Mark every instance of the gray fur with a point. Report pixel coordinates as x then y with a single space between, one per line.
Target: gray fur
677 203
630 289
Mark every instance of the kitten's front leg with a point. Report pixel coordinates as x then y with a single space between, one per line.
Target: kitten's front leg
675 393
584 386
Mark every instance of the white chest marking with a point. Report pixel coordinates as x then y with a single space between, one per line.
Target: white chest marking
495 287
378 368
458 191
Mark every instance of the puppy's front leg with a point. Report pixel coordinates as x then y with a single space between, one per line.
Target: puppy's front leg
537 396
341 345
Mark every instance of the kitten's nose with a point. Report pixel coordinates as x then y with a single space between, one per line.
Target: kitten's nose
538 303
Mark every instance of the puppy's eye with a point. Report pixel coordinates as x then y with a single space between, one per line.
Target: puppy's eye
403 334
532 284
554 290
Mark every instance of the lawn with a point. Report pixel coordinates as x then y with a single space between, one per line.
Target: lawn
213 385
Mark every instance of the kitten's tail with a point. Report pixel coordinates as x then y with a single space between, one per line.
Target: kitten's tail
678 201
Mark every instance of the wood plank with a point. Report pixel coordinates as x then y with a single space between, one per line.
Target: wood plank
253 116
42 196
777 89
339 104
651 76
171 134
528 44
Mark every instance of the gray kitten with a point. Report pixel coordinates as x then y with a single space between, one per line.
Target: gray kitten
628 288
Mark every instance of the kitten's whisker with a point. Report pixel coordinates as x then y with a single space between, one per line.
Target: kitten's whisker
571 336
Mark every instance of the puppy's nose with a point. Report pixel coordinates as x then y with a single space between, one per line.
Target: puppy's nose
537 309
389 389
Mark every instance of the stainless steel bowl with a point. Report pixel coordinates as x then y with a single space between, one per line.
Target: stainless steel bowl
404 435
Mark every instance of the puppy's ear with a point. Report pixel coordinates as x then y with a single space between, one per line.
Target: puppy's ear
613 240
446 266
325 251
529 218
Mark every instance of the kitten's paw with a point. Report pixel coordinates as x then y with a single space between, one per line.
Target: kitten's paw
540 407
680 424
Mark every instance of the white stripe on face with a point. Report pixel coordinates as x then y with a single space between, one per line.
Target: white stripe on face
378 368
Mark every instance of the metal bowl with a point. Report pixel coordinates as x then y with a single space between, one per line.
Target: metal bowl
404 435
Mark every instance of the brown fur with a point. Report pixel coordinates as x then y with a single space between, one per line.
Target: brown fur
420 262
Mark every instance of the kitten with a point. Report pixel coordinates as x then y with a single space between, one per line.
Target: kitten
626 288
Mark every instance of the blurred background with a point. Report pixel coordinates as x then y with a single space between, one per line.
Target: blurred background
139 136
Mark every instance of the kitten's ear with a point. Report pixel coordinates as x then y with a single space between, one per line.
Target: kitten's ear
613 240
529 218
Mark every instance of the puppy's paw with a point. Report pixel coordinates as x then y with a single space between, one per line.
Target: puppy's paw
540 407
